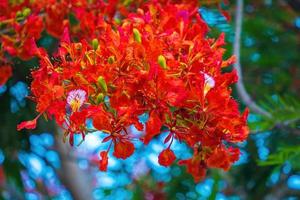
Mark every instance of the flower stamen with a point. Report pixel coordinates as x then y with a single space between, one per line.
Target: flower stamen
76 99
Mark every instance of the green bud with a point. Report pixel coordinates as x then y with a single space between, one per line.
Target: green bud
118 21
102 83
111 59
162 61
137 35
19 14
95 43
26 12
127 2
100 98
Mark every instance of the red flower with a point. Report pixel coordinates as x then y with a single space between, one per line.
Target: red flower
103 161
55 18
123 149
157 60
195 168
195 165
33 27
58 111
166 157
222 158
101 121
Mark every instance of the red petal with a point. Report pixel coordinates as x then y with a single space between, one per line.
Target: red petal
234 154
106 139
168 138
27 125
223 158
58 91
152 127
66 36
101 121
195 168
220 41
139 126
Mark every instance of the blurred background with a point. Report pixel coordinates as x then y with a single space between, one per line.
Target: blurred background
37 165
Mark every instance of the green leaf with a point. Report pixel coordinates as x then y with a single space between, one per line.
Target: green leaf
285 110
284 154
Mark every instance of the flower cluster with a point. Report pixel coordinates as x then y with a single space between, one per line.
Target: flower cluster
158 60
22 23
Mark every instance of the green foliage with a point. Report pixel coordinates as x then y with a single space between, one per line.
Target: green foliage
285 111
284 154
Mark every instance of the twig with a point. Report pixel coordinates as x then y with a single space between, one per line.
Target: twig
243 94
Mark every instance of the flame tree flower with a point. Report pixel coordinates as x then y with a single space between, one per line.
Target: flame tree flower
158 61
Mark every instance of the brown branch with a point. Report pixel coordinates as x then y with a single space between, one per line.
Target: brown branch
76 181
243 94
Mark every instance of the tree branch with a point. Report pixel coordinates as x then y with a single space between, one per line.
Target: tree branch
243 94
78 182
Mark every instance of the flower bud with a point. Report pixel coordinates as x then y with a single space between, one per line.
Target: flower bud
102 83
137 35
118 21
162 61
26 12
19 14
95 43
111 59
100 98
